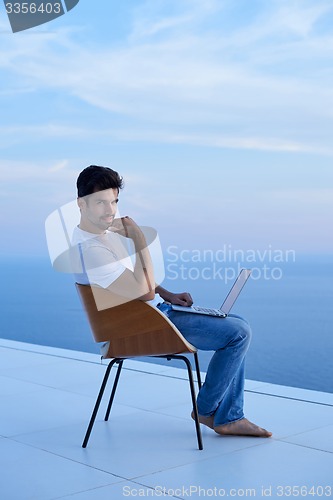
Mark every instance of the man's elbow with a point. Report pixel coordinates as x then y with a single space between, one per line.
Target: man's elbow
148 296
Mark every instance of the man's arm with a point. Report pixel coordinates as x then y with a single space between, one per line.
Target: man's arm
139 282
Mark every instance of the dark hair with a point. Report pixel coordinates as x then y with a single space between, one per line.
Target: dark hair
93 179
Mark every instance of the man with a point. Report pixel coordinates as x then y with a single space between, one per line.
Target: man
220 400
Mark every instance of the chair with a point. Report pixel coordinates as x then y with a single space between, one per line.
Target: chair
133 329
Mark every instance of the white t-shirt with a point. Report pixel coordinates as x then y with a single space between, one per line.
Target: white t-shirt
100 259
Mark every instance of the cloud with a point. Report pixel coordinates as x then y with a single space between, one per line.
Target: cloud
289 20
59 166
157 18
23 170
225 141
300 17
314 197
180 78
44 184
163 136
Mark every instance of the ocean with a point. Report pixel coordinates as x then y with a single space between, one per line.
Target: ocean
290 312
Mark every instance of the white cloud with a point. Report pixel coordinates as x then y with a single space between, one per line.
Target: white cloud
284 19
314 197
299 16
48 183
163 136
225 141
59 166
235 89
23 170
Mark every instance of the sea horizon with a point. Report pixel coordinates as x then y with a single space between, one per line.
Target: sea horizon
290 317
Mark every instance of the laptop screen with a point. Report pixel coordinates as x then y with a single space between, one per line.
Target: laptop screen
235 290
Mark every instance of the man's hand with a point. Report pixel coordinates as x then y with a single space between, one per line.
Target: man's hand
126 227
179 299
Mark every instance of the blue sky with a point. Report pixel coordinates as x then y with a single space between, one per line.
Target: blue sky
217 113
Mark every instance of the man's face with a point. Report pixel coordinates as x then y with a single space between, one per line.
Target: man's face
98 210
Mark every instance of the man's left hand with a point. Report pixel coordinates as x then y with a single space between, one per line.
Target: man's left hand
181 299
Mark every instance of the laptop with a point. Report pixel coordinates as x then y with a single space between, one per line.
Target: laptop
229 301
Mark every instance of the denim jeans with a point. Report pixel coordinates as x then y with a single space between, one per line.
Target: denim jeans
222 393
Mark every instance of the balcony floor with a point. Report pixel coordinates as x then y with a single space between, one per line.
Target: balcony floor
148 448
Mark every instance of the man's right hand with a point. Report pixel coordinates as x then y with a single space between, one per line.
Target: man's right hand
125 226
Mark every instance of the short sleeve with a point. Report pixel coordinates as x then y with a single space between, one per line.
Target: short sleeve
101 265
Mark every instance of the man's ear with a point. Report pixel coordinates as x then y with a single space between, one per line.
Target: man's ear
81 203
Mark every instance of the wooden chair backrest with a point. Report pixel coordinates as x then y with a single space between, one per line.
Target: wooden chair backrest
133 328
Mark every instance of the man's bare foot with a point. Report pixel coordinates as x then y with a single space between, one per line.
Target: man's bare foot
242 427
209 421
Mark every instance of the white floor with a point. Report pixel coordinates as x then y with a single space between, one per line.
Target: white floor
148 448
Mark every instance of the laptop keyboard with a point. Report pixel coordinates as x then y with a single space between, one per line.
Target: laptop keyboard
207 310
204 309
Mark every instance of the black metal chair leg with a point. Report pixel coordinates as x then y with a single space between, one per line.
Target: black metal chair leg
114 388
98 402
197 367
194 402
190 377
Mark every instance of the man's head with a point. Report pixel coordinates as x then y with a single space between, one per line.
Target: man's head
94 178
98 189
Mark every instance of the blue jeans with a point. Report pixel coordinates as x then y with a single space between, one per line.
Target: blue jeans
222 393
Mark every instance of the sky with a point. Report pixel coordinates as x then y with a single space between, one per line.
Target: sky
218 114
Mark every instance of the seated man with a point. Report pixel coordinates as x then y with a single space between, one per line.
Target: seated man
220 400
